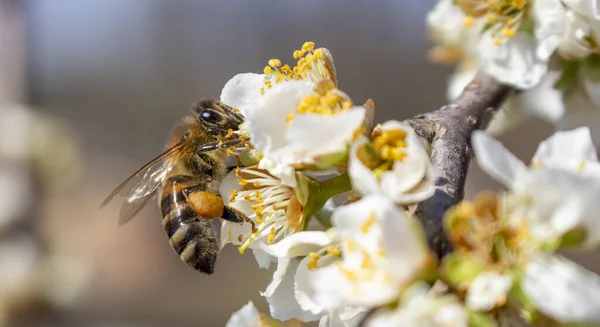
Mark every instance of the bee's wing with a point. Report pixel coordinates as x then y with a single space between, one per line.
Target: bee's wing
142 185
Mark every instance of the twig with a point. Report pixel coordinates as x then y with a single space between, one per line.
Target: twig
449 130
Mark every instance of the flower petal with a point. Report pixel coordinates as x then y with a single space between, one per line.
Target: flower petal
543 100
304 291
496 160
568 149
287 174
488 290
282 301
267 120
263 259
247 316
283 265
297 244
363 179
549 18
308 133
562 290
589 8
513 62
243 91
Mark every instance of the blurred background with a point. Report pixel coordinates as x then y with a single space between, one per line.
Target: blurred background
92 89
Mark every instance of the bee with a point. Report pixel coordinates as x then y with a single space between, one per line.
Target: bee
186 177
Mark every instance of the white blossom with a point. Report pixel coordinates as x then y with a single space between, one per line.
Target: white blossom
381 249
558 190
422 309
291 111
488 290
394 164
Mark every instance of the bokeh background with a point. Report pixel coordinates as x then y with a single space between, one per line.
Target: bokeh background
117 74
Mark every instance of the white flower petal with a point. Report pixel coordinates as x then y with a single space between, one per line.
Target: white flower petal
496 160
363 179
313 135
510 115
304 291
513 62
459 80
568 149
421 309
590 8
549 18
562 201
243 91
488 290
267 121
335 289
285 173
283 265
247 316
263 259
543 100
282 301
344 317
573 44
562 290
297 244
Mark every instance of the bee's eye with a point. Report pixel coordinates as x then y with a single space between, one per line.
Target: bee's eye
211 116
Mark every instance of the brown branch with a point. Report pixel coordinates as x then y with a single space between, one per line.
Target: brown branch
449 130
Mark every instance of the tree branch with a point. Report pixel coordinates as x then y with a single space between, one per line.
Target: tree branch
449 130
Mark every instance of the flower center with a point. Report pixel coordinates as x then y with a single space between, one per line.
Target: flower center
384 150
504 17
326 101
313 64
484 228
276 211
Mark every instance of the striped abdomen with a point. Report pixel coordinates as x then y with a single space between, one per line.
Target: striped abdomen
191 235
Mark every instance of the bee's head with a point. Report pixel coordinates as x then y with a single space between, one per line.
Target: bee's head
216 117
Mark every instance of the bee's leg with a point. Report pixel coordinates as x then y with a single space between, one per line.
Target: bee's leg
234 215
218 145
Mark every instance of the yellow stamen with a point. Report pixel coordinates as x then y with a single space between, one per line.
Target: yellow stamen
275 63
332 250
367 224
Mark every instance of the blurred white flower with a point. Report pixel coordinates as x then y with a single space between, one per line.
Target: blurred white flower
380 252
247 316
556 195
420 308
395 164
488 291
504 50
562 289
572 151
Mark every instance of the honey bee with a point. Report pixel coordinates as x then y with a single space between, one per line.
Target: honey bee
186 176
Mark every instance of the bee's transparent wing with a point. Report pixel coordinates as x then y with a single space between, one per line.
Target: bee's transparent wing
142 185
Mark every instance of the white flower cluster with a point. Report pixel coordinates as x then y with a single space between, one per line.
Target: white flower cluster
547 49
505 244
306 143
